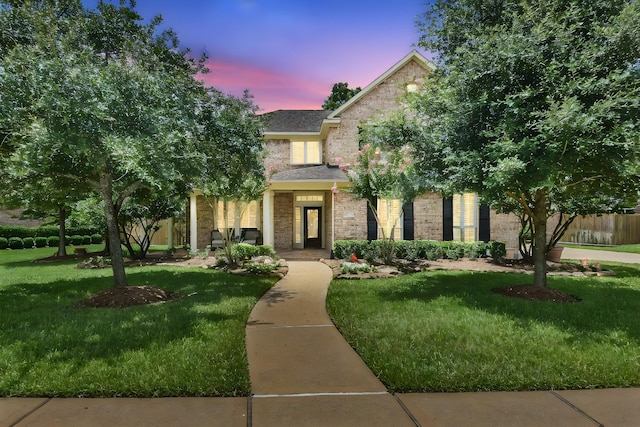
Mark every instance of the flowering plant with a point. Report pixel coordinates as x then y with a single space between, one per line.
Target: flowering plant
591 266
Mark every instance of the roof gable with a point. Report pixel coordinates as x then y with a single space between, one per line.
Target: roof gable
414 55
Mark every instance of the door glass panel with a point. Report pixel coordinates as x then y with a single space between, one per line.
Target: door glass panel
312 224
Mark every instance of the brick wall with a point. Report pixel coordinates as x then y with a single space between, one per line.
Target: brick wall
427 217
283 221
382 100
350 217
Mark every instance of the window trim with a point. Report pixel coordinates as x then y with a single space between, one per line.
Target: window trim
305 148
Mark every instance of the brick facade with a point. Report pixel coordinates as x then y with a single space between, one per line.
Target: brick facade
338 132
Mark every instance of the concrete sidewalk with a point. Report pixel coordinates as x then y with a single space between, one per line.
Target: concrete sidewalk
303 373
593 255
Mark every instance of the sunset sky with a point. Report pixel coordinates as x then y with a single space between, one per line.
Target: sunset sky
288 53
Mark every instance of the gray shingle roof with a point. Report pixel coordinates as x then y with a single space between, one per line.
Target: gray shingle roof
312 173
295 120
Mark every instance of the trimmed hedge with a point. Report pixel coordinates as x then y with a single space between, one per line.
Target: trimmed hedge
41 242
8 231
96 238
4 243
53 241
28 242
16 243
75 240
418 249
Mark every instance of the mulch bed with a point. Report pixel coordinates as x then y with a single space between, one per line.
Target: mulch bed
126 296
535 293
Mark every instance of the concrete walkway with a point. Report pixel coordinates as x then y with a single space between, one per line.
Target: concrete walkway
303 373
592 255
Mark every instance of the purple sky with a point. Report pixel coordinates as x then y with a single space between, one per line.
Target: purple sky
288 53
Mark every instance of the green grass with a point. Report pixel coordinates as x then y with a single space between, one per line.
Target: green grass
446 331
634 249
191 347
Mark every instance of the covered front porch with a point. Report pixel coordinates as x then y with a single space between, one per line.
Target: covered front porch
298 210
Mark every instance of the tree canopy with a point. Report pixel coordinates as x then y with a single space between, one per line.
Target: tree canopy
535 106
103 99
340 93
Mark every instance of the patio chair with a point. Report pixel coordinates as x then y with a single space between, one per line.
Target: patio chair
217 240
252 237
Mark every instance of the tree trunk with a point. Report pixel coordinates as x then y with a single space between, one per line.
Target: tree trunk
62 217
115 246
540 239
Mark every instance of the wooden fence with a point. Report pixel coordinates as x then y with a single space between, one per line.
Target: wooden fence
161 237
616 229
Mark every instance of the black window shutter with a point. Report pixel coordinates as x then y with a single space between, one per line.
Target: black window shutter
372 225
447 219
407 223
484 232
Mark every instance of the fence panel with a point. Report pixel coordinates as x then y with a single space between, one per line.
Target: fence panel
615 229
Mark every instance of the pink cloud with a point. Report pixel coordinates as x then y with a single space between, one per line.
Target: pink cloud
272 89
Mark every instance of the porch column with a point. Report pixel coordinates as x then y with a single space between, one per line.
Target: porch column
170 226
193 222
267 218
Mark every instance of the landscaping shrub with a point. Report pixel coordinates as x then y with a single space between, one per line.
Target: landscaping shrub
40 242
265 250
429 249
76 240
342 249
453 250
96 238
497 250
404 249
8 231
413 250
86 240
478 250
28 242
16 243
53 241
4 243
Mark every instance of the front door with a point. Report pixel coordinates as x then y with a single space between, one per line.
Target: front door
312 227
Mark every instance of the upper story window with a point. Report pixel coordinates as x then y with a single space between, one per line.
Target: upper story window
412 87
306 153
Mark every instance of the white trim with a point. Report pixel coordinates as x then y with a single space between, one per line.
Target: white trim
193 222
268 236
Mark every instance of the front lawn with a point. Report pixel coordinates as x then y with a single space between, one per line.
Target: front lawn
191 347
446 331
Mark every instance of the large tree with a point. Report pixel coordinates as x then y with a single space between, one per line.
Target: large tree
535 106
340 93
231 146
100 98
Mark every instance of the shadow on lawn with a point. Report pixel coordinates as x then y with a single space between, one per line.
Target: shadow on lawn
43 321
608 304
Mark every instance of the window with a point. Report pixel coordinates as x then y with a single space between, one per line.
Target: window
239 215
310 198
465 217
412 87
390 217
306 153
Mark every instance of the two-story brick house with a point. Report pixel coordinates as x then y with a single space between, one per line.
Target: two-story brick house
306 204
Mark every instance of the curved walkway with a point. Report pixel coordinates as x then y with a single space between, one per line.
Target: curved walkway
303 373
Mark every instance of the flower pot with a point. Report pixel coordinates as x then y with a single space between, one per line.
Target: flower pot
555 253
